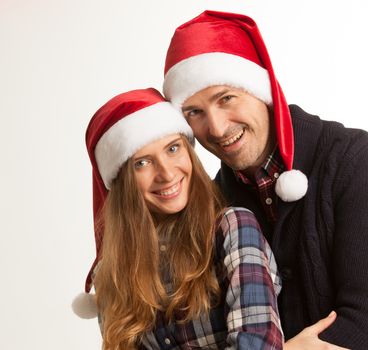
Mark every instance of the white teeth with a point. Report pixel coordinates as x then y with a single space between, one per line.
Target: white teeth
169 191
233 139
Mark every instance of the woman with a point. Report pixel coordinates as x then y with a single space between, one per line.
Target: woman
174 268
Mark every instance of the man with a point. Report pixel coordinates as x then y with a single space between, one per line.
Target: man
304 178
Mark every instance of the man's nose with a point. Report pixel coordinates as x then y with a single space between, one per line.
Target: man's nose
217 123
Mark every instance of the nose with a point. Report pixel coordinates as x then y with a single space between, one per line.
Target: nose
216 123
164 170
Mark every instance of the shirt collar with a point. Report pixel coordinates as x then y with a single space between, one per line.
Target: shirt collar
272 166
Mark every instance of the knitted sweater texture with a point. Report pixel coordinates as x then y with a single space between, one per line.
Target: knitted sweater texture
321 241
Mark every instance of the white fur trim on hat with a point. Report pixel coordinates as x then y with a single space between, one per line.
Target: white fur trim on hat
133 132
291 185
198 72
84 306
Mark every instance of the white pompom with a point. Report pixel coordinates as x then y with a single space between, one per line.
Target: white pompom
84 306
291 185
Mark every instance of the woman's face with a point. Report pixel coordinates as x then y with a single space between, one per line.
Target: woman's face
163 171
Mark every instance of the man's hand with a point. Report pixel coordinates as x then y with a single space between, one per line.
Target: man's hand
308 339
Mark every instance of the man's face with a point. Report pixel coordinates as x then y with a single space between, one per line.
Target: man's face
232 124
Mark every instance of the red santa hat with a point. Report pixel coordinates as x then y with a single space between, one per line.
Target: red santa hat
218 48
117 130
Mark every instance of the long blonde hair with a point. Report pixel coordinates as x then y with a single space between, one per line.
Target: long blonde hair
128 282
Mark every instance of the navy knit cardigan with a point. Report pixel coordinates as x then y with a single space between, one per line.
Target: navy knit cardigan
321 241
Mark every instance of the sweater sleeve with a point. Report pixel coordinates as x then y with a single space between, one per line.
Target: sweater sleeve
350 249
253 284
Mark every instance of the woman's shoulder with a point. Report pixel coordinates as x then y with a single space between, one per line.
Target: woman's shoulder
233 210
235 220
239 216
239 229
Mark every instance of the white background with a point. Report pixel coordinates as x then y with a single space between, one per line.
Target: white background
59 62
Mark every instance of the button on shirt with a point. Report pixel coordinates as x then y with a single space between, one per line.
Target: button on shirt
264 183
247 315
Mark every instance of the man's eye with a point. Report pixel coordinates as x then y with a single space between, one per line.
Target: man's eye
226 98
141 163
192 113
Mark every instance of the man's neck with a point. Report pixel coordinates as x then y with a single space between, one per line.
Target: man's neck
250 172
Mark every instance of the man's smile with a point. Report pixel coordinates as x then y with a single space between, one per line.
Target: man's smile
232 140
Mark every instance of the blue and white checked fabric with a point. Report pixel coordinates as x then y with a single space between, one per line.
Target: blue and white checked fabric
247 317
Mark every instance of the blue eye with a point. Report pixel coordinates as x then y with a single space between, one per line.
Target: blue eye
141 163
174 148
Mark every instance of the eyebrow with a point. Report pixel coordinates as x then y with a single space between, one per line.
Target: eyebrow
211 99
167 145
172 141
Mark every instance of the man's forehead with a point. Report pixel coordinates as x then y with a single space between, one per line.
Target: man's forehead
209 94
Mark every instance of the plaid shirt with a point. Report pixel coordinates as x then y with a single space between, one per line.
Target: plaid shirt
264 183
247 317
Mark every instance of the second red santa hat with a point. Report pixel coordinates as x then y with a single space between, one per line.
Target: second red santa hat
218 48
